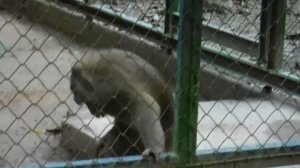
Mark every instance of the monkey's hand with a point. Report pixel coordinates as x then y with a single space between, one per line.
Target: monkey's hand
150 155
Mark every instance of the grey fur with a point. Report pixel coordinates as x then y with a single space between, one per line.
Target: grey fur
121 84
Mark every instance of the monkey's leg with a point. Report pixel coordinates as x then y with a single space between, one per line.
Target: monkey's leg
167 122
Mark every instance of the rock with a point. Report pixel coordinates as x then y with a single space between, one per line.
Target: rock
156 17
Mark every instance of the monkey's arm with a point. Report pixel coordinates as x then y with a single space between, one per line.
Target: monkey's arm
147 122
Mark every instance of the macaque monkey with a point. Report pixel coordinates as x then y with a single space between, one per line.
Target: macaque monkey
123 85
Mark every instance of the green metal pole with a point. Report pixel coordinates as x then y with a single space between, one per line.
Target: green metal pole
175 6
171 23
187 80
276 37
265 27
277 34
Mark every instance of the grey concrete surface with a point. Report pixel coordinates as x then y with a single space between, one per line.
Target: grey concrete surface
227 124
246 123
34 90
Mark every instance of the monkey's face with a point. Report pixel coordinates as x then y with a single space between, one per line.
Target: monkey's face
89 91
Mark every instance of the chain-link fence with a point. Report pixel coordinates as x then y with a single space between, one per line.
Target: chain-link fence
89 79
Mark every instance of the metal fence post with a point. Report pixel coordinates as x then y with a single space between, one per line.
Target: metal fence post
265 25
277 34
171 8
272 34
188 65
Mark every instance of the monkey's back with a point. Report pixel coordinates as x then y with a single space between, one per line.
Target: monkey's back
129 66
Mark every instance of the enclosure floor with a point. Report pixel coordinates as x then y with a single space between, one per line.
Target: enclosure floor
222 126
247 124
34 90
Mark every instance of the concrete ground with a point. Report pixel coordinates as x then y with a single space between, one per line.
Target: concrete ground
222 125
34 90
247 123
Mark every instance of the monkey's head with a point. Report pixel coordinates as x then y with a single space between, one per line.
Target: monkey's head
90 90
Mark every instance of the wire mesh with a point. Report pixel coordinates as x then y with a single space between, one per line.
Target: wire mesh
42 41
